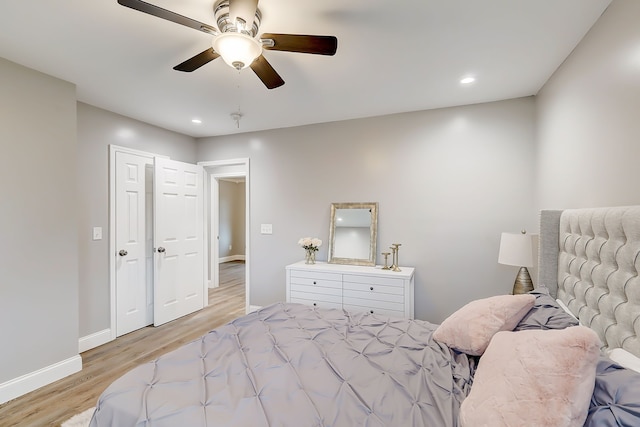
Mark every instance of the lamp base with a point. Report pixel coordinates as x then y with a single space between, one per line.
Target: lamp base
523 283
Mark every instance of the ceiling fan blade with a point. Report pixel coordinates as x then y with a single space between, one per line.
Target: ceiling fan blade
197 61
266 73
317 45
168 15
244 9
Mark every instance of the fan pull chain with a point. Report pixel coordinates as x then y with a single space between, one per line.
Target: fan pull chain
238 115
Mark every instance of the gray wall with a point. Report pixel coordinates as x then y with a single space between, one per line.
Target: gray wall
97 129
38 221
589 118
448 183
232 215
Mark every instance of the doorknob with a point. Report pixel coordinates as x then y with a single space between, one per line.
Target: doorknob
123 252
161 249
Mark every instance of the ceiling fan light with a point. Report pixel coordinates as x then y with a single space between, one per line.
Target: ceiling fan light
236 49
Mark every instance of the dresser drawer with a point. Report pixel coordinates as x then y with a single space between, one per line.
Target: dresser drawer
316 296
316 289
374 310
374 289
373 304
315 303
373 280
315 279
372 296
316 282
319 275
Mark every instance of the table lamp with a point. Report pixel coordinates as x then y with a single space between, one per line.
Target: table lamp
517 249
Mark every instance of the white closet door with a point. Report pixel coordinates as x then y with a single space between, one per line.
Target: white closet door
134 291
179 240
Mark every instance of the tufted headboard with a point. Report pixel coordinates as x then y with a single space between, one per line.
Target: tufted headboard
589 259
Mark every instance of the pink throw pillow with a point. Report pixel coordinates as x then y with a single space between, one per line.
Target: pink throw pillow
534 378
470 329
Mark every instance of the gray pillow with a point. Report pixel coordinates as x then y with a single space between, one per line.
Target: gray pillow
545 314
615 398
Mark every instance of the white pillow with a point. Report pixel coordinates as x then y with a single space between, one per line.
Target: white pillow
625 359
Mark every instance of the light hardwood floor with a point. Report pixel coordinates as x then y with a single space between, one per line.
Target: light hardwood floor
59 401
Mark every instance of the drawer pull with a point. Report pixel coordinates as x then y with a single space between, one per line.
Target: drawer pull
371 311
314 282
371 288
315 304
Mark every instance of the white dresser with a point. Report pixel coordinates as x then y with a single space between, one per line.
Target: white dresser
352 287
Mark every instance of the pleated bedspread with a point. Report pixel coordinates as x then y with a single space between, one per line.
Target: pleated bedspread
295 365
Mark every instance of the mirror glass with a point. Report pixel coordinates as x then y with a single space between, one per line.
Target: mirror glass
353 233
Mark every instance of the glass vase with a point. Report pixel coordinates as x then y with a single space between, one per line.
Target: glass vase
310 256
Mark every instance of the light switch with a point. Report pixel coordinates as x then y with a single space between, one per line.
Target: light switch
266 228
97 233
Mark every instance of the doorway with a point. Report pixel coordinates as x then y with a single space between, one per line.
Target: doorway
234 170
231 219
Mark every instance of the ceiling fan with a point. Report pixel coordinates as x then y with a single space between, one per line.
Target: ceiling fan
235 38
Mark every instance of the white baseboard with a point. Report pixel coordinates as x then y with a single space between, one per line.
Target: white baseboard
34 380
94 340
253 308
232 258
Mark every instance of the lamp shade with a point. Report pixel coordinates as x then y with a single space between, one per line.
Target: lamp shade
237 49
516 249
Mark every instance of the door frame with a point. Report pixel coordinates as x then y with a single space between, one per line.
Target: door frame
113 149
215 170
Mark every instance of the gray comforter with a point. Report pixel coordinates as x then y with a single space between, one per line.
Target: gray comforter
294 365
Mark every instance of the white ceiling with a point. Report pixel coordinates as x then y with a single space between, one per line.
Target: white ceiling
392 57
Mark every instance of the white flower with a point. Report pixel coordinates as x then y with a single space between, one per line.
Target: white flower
309 243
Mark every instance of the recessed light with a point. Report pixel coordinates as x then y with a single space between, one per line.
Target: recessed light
196 121
467 80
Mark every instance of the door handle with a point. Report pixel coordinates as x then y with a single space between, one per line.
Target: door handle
161 249
123 252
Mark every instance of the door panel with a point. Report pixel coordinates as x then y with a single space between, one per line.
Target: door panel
133 310
179 257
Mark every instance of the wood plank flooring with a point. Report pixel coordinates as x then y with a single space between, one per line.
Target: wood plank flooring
59 401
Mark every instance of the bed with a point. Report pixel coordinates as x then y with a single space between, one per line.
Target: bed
496 361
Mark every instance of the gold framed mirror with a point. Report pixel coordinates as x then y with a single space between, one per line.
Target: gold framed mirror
353 233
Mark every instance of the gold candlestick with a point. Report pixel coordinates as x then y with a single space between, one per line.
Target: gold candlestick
393 257
386 255
395 247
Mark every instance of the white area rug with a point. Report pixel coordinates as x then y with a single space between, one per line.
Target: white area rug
80 420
